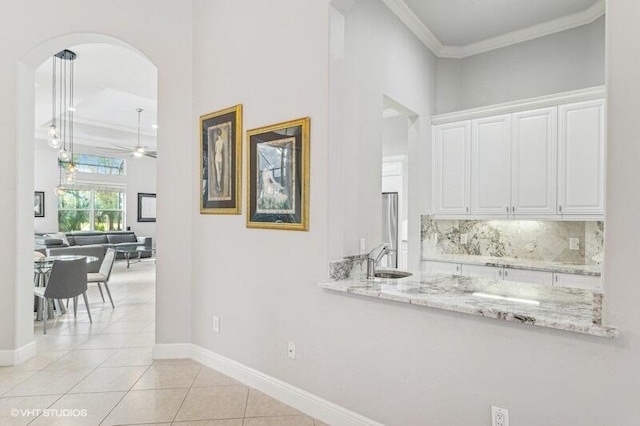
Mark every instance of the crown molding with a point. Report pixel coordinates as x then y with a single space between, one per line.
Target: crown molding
411 20
417 27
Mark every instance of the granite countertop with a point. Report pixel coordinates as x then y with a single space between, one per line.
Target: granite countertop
514 263
568 309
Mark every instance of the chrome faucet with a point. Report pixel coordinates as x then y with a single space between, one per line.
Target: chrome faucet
372 262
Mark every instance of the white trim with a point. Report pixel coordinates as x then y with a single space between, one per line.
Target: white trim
424 34
17 356
300 399
580 95
415 25
171 350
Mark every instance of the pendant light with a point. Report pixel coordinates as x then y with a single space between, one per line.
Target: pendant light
61 129
139 151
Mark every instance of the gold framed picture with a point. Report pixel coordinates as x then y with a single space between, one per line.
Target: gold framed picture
278 178
221 161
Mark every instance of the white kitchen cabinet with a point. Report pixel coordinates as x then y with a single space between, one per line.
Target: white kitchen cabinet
527 276
481 271
451 168
534 146
491 165
445 268
581 152
585 282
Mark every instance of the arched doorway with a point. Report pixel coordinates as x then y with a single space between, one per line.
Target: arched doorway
26 105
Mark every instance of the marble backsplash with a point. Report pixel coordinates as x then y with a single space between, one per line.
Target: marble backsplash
546 240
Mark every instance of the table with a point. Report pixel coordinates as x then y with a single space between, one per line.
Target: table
41 269
128 250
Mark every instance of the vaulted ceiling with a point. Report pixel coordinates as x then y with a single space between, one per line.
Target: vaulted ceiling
110 83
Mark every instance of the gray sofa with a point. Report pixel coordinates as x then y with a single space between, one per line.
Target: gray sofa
90 243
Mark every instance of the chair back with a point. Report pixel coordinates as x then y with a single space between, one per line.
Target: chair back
68 279
107 263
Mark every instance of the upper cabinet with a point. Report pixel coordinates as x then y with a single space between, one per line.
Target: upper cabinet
581 158
451 168
490 165
531 163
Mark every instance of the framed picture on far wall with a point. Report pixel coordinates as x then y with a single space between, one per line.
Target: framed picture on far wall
278 183
38 204
221 161
146 207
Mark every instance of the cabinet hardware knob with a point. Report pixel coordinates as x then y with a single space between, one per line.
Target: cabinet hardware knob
560 209
507 209
513 209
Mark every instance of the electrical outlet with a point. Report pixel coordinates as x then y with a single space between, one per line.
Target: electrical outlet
363 246
464 238
574 243
291 350
499 416
216 324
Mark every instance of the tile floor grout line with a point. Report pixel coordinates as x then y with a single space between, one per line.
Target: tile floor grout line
187 393
246 405
124 396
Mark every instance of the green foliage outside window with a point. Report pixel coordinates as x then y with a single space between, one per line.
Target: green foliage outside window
81 210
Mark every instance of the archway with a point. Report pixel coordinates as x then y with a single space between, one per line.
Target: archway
25 106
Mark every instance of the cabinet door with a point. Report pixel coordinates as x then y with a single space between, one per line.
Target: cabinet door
451 168
533 168
489 272
490 165
581 143
585 282
525 276
445 268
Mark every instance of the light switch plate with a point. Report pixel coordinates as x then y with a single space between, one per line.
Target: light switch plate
291 350
499 416
464 238
216 324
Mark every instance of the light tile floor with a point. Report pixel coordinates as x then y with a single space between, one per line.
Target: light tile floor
103 373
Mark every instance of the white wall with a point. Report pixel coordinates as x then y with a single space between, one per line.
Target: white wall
46 179
156 28
140 177
569 60
381 58
398 364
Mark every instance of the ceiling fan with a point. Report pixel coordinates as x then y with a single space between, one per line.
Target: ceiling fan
139 150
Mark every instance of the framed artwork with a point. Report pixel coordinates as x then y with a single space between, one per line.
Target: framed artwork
146 207
278 182
38 204
221 161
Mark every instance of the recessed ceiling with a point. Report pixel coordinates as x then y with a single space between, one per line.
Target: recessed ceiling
461 22
110 83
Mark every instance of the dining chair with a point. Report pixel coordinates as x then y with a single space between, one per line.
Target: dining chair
68 279
102 277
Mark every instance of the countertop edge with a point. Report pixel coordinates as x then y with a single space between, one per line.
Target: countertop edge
596 330
510 264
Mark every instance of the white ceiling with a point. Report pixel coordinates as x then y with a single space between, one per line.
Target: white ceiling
110 83
461 28
461 22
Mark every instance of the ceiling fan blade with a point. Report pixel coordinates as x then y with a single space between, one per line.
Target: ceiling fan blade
151 154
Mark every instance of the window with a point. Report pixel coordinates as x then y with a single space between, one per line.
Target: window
91 210
100 165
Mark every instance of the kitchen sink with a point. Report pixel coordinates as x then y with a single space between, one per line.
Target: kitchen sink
392 274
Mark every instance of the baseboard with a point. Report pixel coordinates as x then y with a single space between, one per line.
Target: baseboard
171 350
17 356
302 400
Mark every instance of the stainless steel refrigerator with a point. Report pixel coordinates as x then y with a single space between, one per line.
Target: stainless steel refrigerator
390 226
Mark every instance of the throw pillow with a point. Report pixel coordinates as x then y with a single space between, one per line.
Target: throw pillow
60 236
